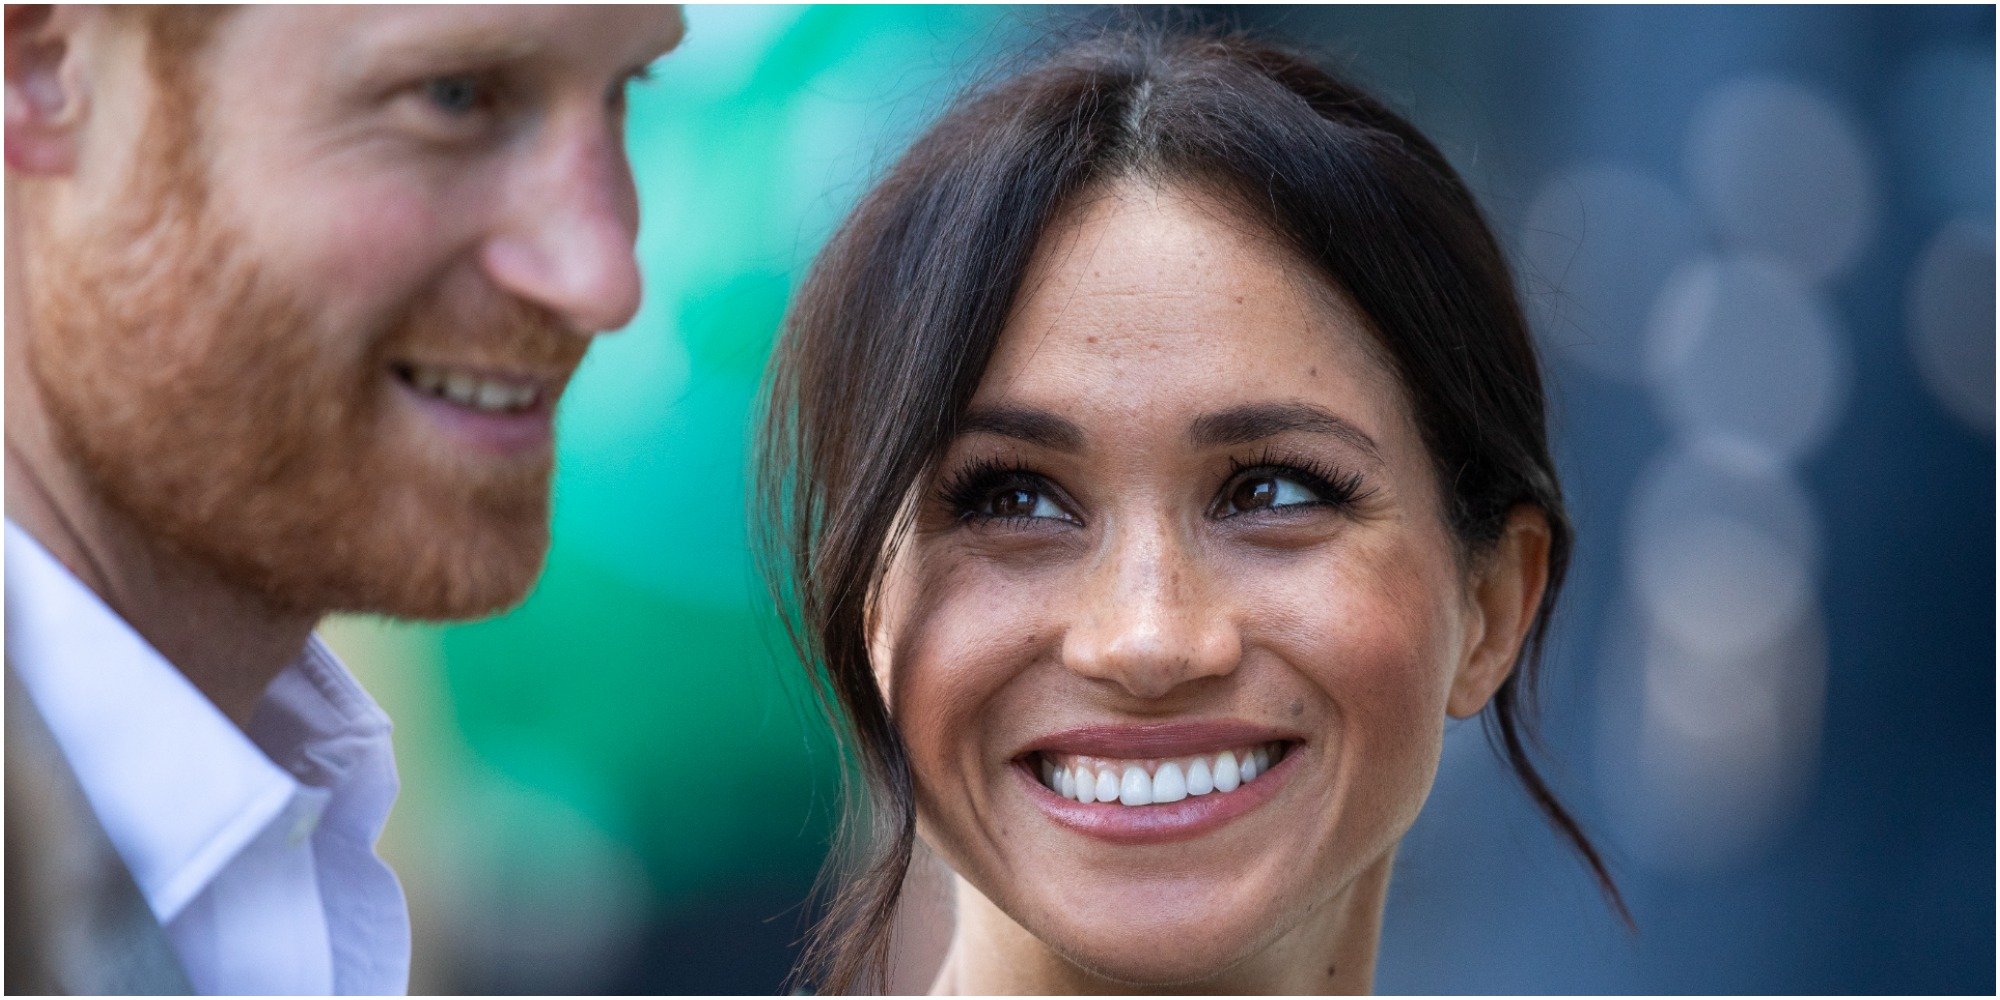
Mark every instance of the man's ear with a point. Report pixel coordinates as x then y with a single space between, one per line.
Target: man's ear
1507 587
45 87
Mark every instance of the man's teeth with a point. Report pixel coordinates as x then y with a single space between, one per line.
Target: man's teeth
469 390
1144 783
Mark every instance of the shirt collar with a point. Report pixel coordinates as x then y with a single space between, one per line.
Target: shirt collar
178 788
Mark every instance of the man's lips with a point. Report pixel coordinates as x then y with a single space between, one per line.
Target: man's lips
484 388
490 409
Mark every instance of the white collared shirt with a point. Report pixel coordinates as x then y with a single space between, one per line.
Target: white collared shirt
255 848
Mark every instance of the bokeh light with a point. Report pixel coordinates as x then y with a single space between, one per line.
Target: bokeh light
1725 549
1951 319
1725 751
1597 245
1742 348
1778 169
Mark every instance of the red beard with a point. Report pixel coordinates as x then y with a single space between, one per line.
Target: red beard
202 397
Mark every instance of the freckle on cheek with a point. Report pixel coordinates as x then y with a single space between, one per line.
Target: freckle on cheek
1298 709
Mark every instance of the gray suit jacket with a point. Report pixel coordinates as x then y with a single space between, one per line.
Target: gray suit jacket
76 922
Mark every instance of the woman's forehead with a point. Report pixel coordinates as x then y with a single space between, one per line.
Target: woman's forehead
1149 300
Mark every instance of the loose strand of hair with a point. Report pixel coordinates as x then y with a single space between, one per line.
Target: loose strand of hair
1516 751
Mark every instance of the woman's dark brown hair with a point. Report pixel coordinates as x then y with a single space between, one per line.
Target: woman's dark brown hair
892 331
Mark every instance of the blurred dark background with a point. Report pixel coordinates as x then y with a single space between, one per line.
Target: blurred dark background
1758 243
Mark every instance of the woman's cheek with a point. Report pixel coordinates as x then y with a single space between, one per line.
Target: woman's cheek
1367 627
963 636
1376 645
956 635
1419 621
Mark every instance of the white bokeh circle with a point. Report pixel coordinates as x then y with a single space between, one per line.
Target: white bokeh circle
1722 549
1726 745
1778 169
1596 246
1950 319
1743 348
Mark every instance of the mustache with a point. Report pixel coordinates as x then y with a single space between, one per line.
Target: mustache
503 334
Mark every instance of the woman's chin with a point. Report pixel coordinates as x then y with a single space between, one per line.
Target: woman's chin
1193 946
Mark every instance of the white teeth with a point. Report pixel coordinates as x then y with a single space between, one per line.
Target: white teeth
1226 777
469 390
1107 786
1139 783
1136 789
460 388
1199 780
494 396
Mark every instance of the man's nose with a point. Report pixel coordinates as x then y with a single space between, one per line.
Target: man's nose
564 239
1147 620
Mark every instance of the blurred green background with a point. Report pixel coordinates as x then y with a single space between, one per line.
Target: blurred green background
620 786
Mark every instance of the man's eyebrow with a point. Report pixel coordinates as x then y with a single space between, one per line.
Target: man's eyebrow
475 46
1257 421
1036 427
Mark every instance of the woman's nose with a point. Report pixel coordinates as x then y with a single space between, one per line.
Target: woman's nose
1147 619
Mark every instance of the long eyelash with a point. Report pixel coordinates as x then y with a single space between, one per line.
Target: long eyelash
1337 488
964 490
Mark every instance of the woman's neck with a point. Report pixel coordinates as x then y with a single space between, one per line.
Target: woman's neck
1331 951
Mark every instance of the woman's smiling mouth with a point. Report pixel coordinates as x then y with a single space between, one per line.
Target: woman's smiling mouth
1155 782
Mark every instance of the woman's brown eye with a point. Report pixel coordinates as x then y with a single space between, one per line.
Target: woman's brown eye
1254 494
1260 493
1015 503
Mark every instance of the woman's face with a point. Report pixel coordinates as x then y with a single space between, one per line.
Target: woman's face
1175 634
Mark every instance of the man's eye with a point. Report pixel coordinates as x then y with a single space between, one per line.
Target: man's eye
1266 492
1021 501
455 95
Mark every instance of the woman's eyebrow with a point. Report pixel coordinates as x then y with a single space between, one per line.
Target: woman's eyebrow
1036 427
1257 421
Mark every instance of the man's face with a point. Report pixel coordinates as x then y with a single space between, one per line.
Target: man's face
305 306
